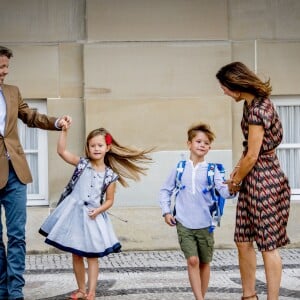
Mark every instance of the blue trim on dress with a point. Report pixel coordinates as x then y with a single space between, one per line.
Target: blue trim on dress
42 232
116 248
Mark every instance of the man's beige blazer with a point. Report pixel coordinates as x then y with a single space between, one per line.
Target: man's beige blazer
10 142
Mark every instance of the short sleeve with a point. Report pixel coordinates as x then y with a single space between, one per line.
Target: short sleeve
110 176
115 177
261 114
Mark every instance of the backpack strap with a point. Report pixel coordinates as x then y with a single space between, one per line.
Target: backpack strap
221 169
210 180
211 170
219 202
178 185
83 162
109 177
179 171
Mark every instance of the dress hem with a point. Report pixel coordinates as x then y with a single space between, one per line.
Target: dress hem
116 248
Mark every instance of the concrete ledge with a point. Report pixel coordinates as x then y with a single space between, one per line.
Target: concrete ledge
145 229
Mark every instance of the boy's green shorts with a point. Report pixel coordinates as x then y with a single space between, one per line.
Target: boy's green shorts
196 242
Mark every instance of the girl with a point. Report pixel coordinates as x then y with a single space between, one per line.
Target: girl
80 224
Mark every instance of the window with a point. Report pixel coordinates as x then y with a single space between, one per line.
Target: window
35 144
288 152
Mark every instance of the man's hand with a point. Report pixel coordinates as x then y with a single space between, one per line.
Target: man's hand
64 122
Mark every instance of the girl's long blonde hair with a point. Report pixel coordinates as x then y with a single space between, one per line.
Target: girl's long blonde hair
125 161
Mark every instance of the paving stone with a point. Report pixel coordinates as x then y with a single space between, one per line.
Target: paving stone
153 275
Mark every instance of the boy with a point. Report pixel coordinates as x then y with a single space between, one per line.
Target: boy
193 218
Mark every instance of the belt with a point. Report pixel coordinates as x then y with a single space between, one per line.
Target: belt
270 152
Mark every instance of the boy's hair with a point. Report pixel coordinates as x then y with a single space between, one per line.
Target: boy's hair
205 128
5 52
125 161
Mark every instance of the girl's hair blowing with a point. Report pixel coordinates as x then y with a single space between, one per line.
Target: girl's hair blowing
237 77
125 161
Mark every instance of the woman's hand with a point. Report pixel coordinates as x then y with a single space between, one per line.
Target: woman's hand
232 186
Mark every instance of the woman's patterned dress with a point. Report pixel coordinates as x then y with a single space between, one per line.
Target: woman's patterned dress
264 198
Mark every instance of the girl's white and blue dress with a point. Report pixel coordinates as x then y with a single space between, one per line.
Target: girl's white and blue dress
69 227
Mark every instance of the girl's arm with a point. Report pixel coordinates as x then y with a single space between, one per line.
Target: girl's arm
255 139
108 203
62 151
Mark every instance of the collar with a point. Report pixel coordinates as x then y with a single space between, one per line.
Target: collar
198 164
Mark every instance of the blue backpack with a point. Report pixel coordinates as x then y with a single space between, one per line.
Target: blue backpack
217 208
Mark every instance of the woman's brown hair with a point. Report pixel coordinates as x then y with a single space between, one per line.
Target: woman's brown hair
237 77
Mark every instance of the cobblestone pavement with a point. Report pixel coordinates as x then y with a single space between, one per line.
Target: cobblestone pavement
153 275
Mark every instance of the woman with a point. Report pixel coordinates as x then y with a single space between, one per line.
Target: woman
264 193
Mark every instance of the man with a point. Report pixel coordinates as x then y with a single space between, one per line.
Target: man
14 175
